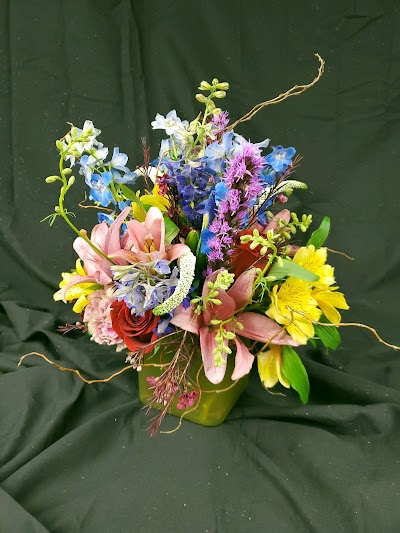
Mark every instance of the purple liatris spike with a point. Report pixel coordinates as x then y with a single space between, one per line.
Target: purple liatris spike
243 184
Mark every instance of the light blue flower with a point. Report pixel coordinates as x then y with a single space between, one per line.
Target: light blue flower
205 236
99 191
221 191
280 158
105 217
216 153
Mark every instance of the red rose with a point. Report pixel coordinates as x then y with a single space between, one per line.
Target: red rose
136 331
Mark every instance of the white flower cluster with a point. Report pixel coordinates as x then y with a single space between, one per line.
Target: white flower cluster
187 264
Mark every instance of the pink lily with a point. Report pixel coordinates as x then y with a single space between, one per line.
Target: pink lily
143 241
243 324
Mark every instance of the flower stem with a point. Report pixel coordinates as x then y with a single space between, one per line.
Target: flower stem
62 211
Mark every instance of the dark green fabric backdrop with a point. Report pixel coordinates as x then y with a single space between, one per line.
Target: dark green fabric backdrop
76 458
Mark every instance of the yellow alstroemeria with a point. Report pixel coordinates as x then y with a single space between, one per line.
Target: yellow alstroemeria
269 365
329 302
155 199
314 261
296 294
78 292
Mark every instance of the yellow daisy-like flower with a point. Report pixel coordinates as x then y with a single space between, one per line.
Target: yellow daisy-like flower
295 294
269 367
78 292
155 199
314 261
329 302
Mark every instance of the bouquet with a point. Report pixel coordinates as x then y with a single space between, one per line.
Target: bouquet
195 262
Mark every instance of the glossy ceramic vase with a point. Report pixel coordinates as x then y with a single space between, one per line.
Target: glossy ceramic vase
212 407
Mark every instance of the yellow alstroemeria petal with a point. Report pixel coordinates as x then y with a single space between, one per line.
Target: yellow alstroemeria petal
80 304
79 268
269 367
138 212
301 331
328 300
155 201
314 261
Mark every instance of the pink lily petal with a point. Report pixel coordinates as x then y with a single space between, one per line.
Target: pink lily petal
282 215
242 288
99 234
186 319
207 345
155 224
261 328
174 251
220 312
153 256
74 280
137 233
125 255
243 360
112 242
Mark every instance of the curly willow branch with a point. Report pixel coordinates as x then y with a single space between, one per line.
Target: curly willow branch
345 324
294 91
340 253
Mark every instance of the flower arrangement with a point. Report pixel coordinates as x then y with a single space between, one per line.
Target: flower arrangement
199 266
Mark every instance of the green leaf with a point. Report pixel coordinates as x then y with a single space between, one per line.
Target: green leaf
131 195
171 230
313 341
288 268
320 235
329 336
295 373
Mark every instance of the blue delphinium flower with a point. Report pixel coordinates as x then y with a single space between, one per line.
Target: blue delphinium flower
118 165
105 217
217 153
280 158
193 182
99 191
144 286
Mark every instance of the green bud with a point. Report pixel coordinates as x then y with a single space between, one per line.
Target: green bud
59 146
229 335
74 131
51 179
204 86
57 208
68 138
192 240
214 321
67 171
224 86
71 181
215 81
201 98
220 94
215 301
217 111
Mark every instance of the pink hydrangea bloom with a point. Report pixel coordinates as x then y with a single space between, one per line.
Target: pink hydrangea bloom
98 318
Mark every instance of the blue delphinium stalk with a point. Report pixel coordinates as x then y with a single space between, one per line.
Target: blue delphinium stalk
193 182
